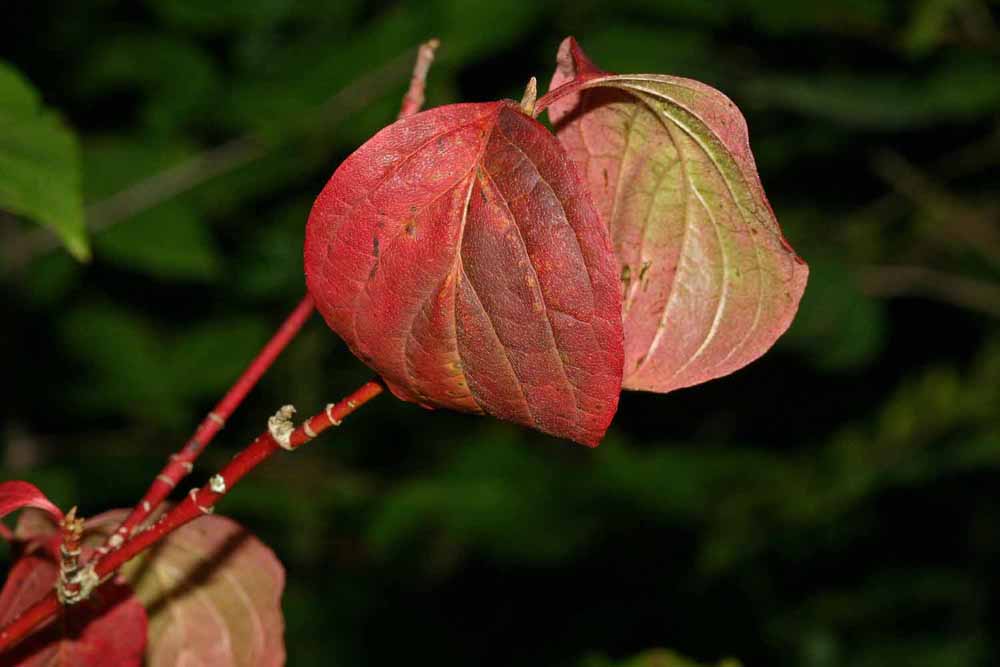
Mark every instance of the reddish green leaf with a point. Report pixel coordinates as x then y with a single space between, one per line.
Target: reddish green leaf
708 281
107 629
459 255
16 494
213 593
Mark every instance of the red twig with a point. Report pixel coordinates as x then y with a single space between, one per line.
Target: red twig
414 98
181 463
280 435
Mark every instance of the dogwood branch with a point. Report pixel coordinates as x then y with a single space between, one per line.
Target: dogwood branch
281 434
181 463
413 101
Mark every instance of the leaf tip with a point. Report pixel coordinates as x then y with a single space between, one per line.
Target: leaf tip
573 62
78 247
529 97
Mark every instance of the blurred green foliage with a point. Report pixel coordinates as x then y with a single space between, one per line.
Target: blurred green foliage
39 163
833 504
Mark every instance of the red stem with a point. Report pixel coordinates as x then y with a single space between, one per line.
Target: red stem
181 463
197 502
414 98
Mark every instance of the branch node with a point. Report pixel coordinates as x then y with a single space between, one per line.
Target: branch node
75 581
116 540
329 415
166 480
217 484
194 498
217 418
74 586
280 426
187 465
530 95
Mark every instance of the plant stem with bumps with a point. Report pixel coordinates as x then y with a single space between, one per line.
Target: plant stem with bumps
198 502
127 541
181 463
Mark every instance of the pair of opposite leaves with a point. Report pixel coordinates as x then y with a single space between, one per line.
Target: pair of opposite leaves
479 263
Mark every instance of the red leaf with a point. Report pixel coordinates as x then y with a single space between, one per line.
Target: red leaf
708 281
213 592
17 494
459 255
107 629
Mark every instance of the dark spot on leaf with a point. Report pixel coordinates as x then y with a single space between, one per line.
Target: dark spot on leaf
644 269
411 228
375 246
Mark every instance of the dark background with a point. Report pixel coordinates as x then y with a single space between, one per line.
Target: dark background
836 503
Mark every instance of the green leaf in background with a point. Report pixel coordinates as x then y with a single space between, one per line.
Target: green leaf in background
176 79
838 328
473 504
169 242
955 92
653 658
39 163
134 367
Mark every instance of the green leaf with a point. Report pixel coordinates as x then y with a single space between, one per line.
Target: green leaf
39 164
654 658
959 91
168 242
838 328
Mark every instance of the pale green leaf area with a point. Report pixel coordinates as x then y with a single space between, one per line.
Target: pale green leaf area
39 163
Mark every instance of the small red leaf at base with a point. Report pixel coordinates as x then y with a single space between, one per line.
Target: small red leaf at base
459 255
16 494
213 592
107 629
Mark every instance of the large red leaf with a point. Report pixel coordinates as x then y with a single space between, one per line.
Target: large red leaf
708 281
16 494
459 255
107 629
